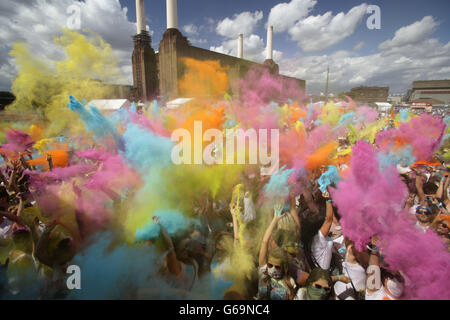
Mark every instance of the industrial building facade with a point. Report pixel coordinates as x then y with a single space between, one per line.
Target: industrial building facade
435 92
369 94
156 75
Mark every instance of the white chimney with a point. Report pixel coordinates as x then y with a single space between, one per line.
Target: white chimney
269 53
140 16
172 14
241 46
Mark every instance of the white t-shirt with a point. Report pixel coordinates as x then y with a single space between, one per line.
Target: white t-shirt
301 294
322 249
380 294
356 273
376 295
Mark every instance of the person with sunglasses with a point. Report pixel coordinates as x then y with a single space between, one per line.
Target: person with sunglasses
318 286
424 216
274 280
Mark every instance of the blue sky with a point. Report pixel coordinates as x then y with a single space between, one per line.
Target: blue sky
413 42
394 15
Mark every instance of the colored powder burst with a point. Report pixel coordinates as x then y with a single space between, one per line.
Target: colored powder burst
145 149
60 158
203 79
366 193
321 156
277 187
113 273
402 156
95 121
42 91
259 87
366 114
423 133
173 221
346 118
18 142
404 115
331 176
370 202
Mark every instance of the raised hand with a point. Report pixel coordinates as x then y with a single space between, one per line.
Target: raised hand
278 209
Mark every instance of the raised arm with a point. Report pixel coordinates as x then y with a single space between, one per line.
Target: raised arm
41 251
235 223
446 184
419 187
440 189
373 281
294 212
326 226
265 241
173 264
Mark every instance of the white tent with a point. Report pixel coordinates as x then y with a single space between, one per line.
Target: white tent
383 106
178 102
110 104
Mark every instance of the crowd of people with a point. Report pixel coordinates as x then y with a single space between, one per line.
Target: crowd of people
301 253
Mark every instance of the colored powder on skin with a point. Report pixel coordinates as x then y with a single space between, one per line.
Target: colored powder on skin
331 176
173 221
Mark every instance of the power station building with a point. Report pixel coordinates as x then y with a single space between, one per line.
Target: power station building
156 75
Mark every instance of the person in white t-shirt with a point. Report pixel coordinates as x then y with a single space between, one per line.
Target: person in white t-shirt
322 245
353 269
382 284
